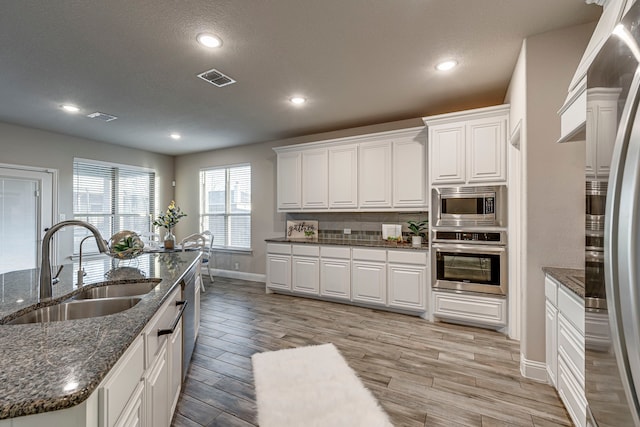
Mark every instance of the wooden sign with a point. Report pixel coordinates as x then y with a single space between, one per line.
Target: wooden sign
302 230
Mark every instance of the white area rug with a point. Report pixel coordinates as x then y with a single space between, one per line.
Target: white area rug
312 386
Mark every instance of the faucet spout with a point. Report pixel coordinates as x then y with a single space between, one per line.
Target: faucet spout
46 288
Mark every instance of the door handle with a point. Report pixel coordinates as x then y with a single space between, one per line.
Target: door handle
170 330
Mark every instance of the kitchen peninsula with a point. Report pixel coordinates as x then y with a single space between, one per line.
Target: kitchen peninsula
67 371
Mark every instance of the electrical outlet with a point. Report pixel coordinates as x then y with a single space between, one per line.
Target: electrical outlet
236 266
347 231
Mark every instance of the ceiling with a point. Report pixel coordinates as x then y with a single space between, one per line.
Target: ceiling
358 62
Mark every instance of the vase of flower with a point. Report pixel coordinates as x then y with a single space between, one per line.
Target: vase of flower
169 240
168 220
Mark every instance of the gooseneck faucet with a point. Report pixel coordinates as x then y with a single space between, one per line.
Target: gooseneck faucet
46 288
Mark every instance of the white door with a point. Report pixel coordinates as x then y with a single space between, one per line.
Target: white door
26 209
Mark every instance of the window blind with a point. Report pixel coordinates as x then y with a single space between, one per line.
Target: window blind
111 197
225 205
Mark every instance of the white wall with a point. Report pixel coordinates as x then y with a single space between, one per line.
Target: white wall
36 148
553 187
265 222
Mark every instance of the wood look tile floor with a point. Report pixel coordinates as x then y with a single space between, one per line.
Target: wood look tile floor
422 373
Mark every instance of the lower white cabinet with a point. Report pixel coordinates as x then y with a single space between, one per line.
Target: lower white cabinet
407 280
369 276
279 266
305 269
476 309
335 272
175 367
158 390
565 348
133 413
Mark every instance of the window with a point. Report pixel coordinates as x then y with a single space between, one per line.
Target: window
111 197
225 205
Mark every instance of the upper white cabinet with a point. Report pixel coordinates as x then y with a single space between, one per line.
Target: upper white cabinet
315 169
468 147
374 178
602 112
343 177
289 180
374 172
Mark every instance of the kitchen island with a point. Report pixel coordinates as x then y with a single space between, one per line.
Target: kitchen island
60 364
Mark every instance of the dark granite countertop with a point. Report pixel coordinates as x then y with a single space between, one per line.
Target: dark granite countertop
57 365
351 242
571 278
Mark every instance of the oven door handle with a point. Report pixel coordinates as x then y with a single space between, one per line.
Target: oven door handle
475 249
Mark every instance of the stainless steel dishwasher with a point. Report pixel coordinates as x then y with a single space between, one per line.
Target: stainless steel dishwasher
188 285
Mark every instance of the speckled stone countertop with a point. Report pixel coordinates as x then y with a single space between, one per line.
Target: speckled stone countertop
571 278
57 365
347 242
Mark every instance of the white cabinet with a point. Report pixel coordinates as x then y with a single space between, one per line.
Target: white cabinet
158 390
119 394
409 173
289 181
475 309
279 266
175 365
407 280
335 272
602 120
468 147
374 175
565 347
305 269
343 177
369 276
315 170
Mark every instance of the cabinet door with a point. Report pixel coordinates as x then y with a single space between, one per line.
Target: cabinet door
369 282
157 391
175 363
486 149
409 173
590 135
279 272
305 275
315 171
551 326
447 154
289 181
407 286
197 310
133 414
335 278
374 175
606 127
343 177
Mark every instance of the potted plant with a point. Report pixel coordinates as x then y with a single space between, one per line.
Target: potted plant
416 229
168 220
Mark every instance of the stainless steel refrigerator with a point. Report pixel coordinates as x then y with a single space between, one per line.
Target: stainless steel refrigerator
612 251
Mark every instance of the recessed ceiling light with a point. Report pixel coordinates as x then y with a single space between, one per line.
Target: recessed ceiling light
297 100
446 65
175 136
70 108
209 40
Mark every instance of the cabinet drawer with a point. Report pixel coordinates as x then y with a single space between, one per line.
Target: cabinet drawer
408 257
551 290
335 252
370 254
571 307
163 319
572 395
470 308
278 248
305 250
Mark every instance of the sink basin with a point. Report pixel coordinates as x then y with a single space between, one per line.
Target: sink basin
119 290
76 310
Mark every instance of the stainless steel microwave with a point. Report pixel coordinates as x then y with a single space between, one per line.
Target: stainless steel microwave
470 206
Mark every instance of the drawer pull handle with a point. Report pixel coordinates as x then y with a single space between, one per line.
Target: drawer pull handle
175 322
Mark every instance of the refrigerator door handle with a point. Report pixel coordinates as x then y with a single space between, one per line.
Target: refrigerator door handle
621 248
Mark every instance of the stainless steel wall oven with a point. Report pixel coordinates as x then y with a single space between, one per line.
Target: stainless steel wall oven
470 261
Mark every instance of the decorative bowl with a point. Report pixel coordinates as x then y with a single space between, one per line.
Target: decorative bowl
125 244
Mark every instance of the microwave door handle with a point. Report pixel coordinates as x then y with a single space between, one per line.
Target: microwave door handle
621 272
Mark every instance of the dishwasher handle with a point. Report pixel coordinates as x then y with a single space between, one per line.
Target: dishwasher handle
170 330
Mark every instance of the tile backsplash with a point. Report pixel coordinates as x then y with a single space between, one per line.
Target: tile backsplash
363 225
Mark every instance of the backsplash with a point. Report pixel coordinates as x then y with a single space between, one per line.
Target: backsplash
364 226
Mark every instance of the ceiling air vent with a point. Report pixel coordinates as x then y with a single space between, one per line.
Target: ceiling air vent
102 116
216 78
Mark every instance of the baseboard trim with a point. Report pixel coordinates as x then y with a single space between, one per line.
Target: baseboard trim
231 274
533 370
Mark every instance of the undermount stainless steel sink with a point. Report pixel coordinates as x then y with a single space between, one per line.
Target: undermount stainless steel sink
118 290
76 310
